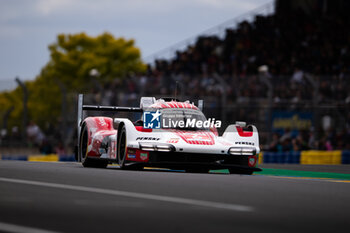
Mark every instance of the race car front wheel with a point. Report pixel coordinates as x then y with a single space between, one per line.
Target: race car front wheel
122 147
83 149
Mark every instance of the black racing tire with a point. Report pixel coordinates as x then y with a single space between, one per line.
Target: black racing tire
240 171
197 170
122 147
83 147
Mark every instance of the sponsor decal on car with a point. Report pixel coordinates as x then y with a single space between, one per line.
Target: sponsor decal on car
245 143
252 161
131 156
173 140
147 138
196 138
143 156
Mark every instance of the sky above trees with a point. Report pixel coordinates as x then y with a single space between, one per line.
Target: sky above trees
27 27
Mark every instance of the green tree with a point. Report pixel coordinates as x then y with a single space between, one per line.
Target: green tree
72 58
9 100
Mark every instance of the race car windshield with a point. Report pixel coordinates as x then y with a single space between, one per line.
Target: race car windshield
186 119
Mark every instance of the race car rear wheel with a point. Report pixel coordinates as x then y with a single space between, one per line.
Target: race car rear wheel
83 148
122 147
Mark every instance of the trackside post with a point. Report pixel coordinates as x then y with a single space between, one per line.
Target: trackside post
79 119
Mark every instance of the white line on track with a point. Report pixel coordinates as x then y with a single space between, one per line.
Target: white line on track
6 227
178 200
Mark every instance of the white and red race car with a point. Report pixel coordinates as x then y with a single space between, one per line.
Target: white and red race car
167 136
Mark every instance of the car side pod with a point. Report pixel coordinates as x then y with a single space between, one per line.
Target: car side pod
242 151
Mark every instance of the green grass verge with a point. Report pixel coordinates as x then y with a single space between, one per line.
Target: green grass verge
294 173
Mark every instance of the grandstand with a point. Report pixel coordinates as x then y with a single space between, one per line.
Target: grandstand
303 47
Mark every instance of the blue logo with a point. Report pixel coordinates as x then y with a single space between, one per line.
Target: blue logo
131 156
151 120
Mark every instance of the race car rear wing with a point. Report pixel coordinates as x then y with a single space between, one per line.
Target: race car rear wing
82 108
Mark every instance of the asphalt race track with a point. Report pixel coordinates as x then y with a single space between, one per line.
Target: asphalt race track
65 197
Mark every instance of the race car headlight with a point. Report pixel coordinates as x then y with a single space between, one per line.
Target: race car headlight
242 151
147 146
156 147
165 148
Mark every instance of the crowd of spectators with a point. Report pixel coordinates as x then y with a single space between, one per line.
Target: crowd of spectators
306 59
305 140
298 50
289 46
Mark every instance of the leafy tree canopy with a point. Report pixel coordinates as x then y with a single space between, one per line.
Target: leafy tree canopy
77 61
